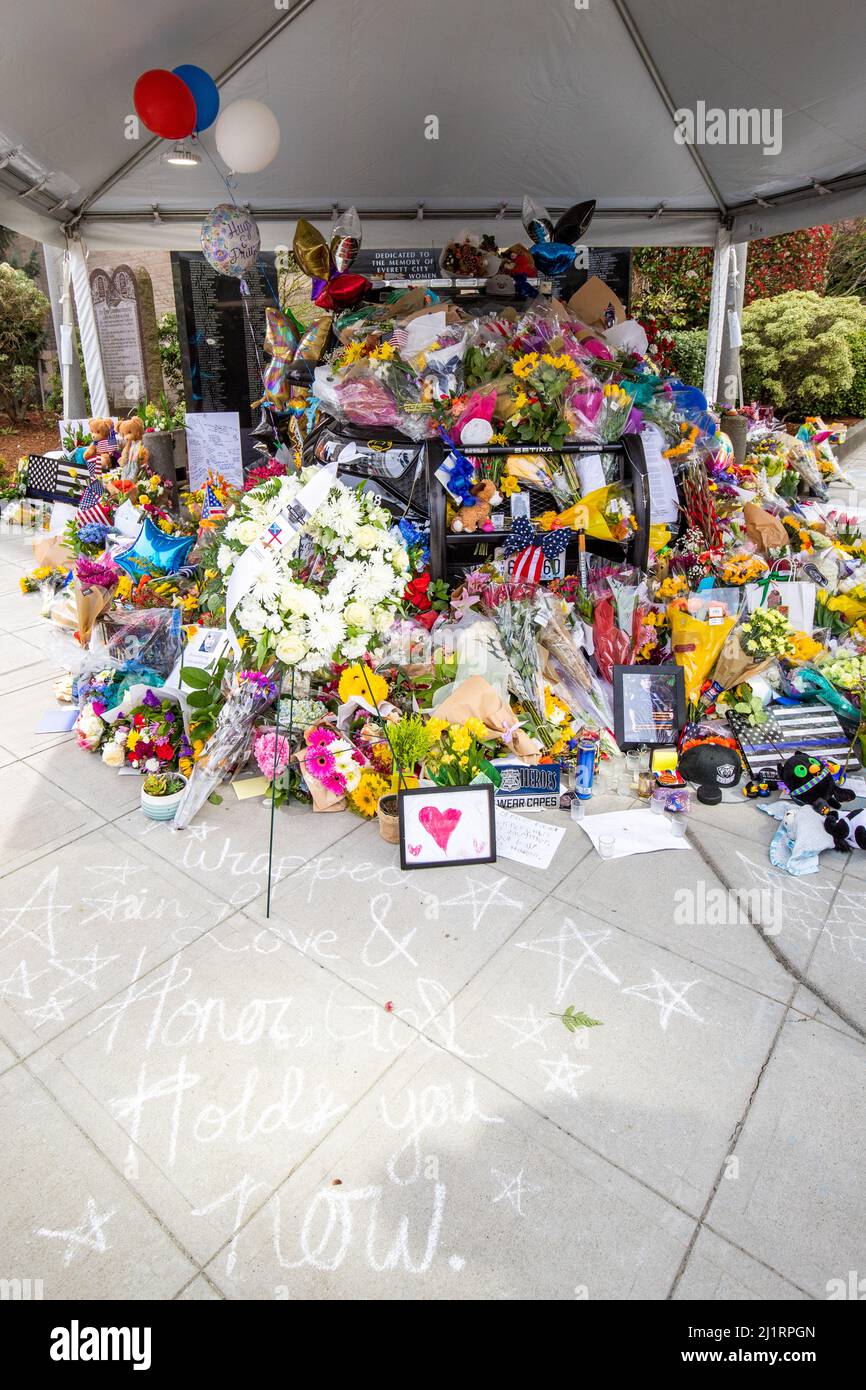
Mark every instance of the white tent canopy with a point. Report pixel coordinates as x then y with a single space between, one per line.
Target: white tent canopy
550 98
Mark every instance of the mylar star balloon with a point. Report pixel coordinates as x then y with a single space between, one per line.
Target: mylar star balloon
153 552
537 222
311 251
573 223
553 257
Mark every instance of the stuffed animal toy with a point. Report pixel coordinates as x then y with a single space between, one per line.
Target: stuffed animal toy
104 442
133 454
848 829
800 839
809 781
476 516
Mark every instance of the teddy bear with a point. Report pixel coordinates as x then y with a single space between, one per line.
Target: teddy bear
476 516
809 781
847 829
104 443
133 454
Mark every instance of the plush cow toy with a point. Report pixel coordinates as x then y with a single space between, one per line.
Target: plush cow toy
848 829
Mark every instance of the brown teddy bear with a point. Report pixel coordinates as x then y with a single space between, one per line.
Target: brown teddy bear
104 444
477 516
133 454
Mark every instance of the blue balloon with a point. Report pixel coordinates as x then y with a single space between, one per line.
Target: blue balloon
153 551
205 94
553 257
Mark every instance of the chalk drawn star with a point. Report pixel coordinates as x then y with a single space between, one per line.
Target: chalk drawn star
94 963
88 1236
19 985
52 1011
115 873
572 949
481 897
528 1027
513 1190
562 1075
37 917
667 996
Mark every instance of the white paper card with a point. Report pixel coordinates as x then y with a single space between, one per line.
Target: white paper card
526 841
664 505
633 832
127 519
590 470
61 512
213 441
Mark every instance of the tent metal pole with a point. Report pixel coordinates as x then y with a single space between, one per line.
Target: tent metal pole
649 63
718 302
240 62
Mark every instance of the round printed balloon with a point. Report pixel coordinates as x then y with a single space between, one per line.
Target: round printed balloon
247 136
230 240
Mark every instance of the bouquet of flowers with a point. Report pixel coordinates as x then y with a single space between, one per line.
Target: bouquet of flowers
149 736
459 753
95 582
330 594
331 767
248 695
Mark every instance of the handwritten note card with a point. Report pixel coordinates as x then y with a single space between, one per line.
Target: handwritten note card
664 504
213 441
526 841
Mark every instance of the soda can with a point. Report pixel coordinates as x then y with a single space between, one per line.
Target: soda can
585 770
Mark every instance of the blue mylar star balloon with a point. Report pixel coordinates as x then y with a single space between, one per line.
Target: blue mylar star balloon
153 550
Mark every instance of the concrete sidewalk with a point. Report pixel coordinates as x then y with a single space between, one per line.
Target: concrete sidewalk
368 1095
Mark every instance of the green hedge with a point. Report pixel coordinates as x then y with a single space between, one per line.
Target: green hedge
689 355
848 402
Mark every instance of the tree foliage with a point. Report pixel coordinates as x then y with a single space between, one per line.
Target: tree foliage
23 308
799 346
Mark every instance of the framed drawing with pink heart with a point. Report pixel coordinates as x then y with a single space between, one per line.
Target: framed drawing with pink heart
446 825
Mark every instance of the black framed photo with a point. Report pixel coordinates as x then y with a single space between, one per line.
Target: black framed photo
649 705
441 826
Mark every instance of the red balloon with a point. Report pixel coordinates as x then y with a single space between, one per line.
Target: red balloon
345 290
165 104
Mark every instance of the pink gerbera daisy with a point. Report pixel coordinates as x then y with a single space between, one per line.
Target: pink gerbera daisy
319 763
335 783
320 738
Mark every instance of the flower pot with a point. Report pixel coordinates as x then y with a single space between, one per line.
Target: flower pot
389 819
166 452
161 807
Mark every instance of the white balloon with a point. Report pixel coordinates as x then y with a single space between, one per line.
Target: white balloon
247 136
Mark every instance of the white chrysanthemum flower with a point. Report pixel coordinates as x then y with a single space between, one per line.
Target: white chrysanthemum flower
225 558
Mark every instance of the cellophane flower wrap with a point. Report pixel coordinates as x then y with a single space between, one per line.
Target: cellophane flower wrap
331 593
249 694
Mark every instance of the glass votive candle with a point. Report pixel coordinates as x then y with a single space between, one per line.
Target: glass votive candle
645 784
607 846
677 820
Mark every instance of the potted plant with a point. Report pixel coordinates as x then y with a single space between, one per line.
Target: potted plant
165 436
409 741
161 793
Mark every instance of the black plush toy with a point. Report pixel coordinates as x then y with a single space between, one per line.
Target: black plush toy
847 829
809 781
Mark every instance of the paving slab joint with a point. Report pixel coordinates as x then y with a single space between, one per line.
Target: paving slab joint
774 948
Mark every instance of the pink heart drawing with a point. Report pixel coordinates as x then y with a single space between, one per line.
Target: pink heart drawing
440 824
478 845
414 850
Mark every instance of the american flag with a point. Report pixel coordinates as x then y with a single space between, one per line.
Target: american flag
92 508
54 480
212 508
810 726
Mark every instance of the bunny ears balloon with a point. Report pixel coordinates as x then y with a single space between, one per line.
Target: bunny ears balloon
328 264
553 246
